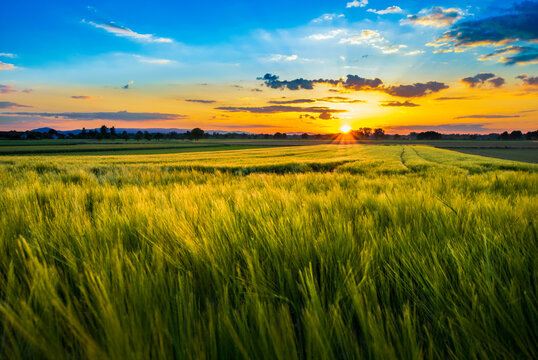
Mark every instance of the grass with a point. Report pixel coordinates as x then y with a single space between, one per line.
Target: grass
526 154
306 252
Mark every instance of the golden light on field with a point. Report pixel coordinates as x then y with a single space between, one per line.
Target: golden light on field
345 129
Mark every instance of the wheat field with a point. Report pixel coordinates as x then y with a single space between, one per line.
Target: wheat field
318 252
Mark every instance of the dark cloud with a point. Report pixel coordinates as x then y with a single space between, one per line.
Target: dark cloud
10 105
456 98
482 79
326 116
486 116
307 116
120 115
82 97
445 128
398 103
256 90
273 109
515 24
416 90
200 101
294 101
518 55
528 80
7 89
356 83
340 100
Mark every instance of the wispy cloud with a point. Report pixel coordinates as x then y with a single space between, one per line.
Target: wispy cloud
120 115
390 10
280 58
328 35
487 116
445 128
355 3
518 55
7 66
9 55
82 97
325 113
11 105
435 17
124 32
414 52
327 18
157 61
398 104
201 101
7 89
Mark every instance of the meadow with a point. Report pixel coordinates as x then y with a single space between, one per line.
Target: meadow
318 252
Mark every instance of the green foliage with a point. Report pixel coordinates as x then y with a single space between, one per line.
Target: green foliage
302 252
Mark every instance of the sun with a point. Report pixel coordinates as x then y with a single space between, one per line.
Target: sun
345 129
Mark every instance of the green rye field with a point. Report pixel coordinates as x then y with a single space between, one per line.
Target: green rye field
306 252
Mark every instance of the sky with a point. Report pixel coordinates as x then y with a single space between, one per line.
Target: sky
288 66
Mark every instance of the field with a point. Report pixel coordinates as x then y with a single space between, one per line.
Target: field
326 251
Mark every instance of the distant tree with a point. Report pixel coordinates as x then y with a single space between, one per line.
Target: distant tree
124 135
113 131
379 133
304 136
139 135
103 131
396 137
504 136
147 135
429 135
197 133
516 135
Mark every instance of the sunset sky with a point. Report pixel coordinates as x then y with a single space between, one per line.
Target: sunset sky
267 66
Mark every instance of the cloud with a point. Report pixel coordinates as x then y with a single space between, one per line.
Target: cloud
390 10
356 83
200 101
340 100
483 79
445 128
128 85
274 109
10 105
435 17
521 55
517 24
6 66
256 90
280 58
487 116
9 55
156 61
365 37
7 89
444 98
414 52
329 35
327 17
528 80
82 97
294 101
120 116
124 32
355 3
398 103
416 90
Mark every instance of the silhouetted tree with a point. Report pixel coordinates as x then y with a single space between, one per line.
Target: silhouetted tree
429 135
379 133
304 136
197 133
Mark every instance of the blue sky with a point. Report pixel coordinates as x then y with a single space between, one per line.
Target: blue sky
161 48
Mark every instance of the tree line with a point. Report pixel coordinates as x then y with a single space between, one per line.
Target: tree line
364 133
